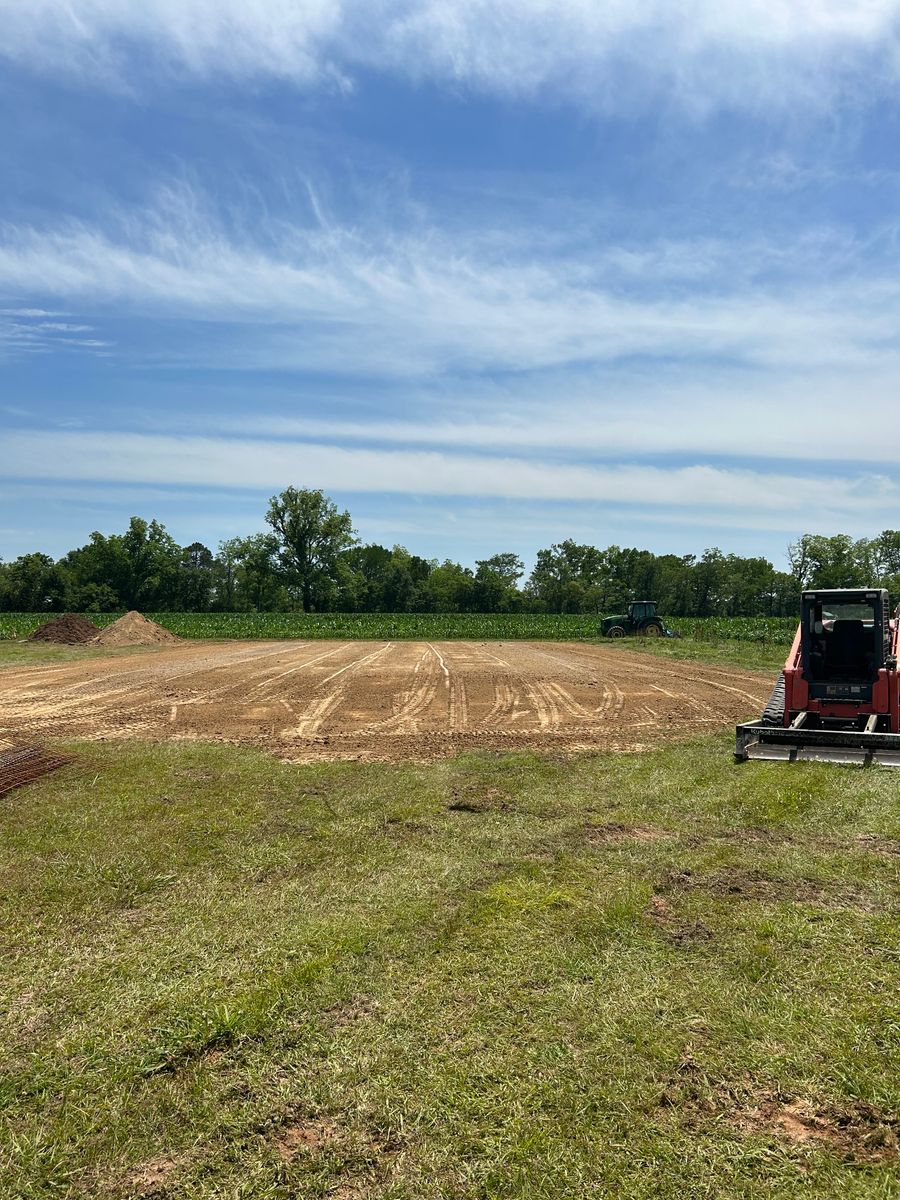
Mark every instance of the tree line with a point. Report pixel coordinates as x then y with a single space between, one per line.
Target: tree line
309 559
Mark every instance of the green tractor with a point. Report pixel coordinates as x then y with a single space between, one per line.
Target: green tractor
640 620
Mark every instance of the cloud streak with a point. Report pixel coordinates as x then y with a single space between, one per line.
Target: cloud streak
24 332
420 302
760 55
693 414
766 499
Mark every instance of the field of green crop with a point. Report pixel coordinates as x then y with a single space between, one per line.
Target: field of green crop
430 626
768 631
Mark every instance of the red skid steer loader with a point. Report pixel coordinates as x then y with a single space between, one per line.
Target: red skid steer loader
838 697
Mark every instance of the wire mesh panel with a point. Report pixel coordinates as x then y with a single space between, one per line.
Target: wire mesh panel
23 764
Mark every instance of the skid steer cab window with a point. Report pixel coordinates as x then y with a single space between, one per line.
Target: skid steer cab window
848 612
843 639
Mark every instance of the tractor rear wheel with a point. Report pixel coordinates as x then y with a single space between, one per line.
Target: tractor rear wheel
652 630
616 632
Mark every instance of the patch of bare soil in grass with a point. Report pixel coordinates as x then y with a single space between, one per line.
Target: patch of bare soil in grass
363 1157
303 1136
474 799
149 1178
859 1132
742 883
614 831
353 1010
877 843
672 927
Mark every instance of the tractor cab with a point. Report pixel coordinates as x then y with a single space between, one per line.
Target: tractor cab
640 611
845 640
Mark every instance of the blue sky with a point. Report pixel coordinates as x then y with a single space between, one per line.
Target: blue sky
492 274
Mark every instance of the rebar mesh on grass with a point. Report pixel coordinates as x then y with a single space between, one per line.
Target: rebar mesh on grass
23 764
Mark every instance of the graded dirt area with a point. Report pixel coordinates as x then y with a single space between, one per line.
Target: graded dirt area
380 701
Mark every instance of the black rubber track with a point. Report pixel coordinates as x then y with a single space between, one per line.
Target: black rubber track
773 713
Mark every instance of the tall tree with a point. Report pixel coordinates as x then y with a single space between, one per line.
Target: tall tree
196 578
258 574
496 583
32 583
569 577
831 562
312 536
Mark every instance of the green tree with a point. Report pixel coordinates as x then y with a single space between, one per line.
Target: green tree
196 578
33 583
312 537
153 559
496 583
140 566
451 587
250 573
708 579
746 586
831 562
569 577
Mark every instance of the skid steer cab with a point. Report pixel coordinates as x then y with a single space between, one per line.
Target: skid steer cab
838 697
640 620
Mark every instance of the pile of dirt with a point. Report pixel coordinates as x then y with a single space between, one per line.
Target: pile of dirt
70 629
135 630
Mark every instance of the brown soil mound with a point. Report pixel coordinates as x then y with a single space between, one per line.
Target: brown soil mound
69 629
135 630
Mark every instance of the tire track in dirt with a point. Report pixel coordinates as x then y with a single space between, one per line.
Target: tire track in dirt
663 670
418 698
134 682
311 720
378 700
542 710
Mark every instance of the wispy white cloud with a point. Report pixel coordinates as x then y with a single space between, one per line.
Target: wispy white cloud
424 302
22 331
29 312
764 499
63 327
695 413
745 54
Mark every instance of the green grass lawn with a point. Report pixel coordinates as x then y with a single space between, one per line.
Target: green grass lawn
611 976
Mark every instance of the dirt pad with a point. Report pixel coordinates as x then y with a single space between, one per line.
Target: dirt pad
135 630
380 701
71 629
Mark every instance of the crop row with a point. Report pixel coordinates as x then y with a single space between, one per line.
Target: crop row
425 626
